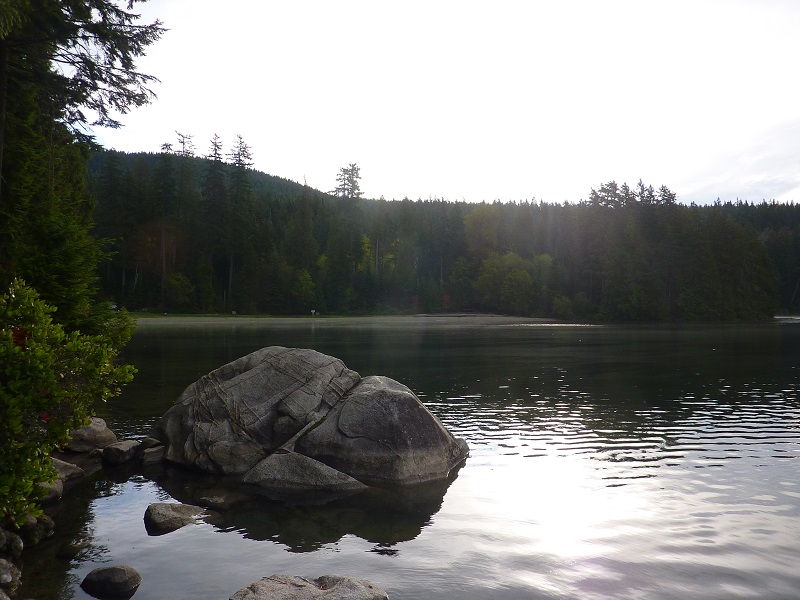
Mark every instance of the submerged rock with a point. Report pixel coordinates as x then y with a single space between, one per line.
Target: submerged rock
112 582
265 416
327 587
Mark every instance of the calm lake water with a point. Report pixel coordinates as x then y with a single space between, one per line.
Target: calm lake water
606 462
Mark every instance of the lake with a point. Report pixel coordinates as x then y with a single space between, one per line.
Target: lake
605 462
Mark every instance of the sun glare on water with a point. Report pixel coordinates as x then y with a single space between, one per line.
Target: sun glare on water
553 503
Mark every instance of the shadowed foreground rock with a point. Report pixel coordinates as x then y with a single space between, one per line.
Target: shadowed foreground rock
89 437
296 420
112 582
327 587
9 576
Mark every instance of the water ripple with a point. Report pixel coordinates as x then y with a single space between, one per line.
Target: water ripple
751 423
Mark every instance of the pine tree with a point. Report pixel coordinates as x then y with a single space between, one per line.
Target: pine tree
348 182
82 52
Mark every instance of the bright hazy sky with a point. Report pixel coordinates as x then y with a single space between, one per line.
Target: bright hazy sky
486 100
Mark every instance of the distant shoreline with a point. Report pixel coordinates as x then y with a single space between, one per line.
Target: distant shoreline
447 319
442 320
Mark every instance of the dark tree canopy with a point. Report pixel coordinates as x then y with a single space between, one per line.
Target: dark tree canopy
81 55
64 65
625 254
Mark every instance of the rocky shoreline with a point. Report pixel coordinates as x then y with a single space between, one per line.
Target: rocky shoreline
287 424
95 447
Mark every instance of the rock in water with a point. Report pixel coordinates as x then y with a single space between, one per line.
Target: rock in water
327 587
89 437
383 433
153 456
112 582
290 399
166 517
119 453
229 420
294 473
67 471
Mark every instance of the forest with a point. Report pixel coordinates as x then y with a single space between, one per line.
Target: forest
212 235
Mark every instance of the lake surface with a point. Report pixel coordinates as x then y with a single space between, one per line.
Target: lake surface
605 462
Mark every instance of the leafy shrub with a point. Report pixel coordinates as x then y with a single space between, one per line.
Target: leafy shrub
49 380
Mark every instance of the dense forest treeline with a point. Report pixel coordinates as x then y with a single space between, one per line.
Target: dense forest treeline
213 235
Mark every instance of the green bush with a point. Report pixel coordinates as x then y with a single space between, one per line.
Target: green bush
49 380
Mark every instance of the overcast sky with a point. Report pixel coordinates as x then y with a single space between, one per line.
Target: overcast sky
486 100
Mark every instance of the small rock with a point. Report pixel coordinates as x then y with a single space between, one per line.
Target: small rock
154 455
121 452
53 490
150 442
10 544
327 587
89 437
34 530
165 517
112 582
67 471
9 576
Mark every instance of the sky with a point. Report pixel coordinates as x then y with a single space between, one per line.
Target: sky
483 101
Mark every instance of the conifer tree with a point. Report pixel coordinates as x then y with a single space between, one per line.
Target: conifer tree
82 52
348 182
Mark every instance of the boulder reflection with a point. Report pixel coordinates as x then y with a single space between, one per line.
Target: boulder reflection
384 516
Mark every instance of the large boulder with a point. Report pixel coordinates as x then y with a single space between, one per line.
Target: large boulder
290 418
383 433
230 419
327 587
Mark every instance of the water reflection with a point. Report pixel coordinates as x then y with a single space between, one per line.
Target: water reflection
382 516
47 566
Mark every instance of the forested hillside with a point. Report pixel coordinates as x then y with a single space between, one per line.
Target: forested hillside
212 235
